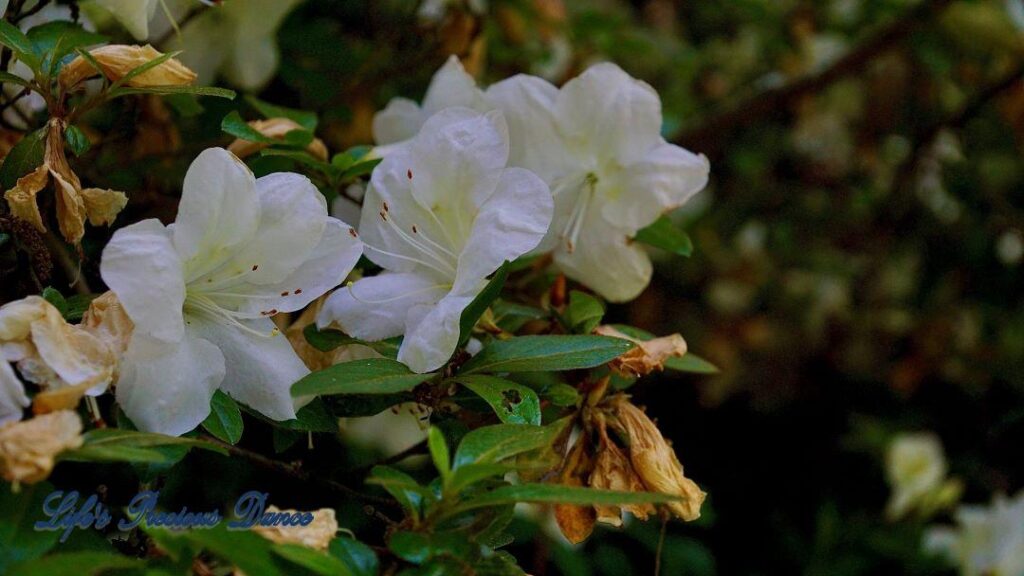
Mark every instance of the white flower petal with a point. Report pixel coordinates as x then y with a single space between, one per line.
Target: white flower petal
134 15
219 211
324 268
662 180
528 104
456 161
203 44
432 333
167 388
142 267
12 394
400 234
400 120
260 368
607 260
376 307
606 114
292 214
510 223
452 86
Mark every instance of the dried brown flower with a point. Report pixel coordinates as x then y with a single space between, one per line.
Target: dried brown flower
614 471
648 355
275 128
28 449
117 60
317 535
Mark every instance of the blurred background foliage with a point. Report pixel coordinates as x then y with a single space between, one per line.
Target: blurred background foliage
857 269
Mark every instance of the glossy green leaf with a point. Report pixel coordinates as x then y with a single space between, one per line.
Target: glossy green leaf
540 353
225 419
584 312
401 486
513 403
117 445
370 376
358 557
19 541
19 43
77 564
23 158
439 451
667 236
492 444
56 39
561 494
196 90
312 560
76 140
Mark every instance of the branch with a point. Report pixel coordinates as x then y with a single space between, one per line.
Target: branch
754 108
294 470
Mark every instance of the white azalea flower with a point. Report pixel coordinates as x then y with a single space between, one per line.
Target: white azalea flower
134 15
435 10
236 38
916 467
451 86
13 399
987 541
597 143
201 292
440 215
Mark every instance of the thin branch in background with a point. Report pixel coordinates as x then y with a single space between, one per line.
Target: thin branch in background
72 269
294 470
40 4
708 136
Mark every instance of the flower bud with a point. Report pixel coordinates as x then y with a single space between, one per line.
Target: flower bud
28 449
117 60
655 461
274 128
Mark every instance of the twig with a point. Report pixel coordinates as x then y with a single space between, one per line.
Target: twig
923 139
72 270
294 470
705 136
419 447
40 4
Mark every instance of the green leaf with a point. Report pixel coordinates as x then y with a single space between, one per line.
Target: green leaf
245 549
361 405
358 557
492 444
584 312
562 394
56 39
313 417
472 313
513 403
301 117
360 169
348 158
370 376
234 125
439 451
541 353
8 78
117 445
77 305
19 541
16 40
77 141
313 560
77 564
401 486
329 339
560 494
53 296
196 90
472 473
417 547
690 362
23 158
665 235
300 156
225 419
510 316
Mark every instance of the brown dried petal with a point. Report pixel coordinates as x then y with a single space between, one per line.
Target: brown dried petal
317 535
106 319
614 471
29 448
117 60
22 198
575 522
655 461
274 128
102 206
648 355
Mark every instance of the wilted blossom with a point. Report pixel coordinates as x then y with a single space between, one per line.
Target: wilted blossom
274 128
440 215
647 356
117 60
317 535
597 142
28 449
47 351
74 204
986 541
201 292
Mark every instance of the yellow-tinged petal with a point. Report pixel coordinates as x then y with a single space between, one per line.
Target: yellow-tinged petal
117 60
22 198
648 355
275 128
102 206
28 449
317 535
